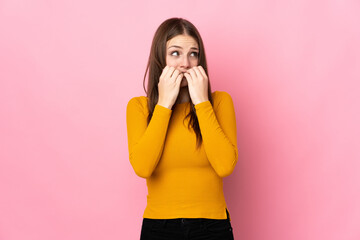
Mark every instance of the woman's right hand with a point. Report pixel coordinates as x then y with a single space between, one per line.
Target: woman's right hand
169 86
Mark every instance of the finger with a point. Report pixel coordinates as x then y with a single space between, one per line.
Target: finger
188 77
179 78
202 70
192 73
198 73
175 74
164 71
169 72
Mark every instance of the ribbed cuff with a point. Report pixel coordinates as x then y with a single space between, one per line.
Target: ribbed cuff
161 111
201 105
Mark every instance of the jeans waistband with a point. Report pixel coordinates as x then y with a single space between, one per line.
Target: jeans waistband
187 220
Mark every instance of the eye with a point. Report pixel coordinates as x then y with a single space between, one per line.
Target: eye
172 53
195 54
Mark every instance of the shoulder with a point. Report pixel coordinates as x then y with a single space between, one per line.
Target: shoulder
221 97
140 100
138 103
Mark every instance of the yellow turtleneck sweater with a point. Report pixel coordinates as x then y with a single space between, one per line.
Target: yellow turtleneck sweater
183 182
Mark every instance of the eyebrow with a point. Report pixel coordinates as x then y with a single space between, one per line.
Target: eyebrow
181 47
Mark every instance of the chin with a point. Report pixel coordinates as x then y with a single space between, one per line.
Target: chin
184 83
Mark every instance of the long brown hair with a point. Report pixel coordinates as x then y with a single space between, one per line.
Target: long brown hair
157 61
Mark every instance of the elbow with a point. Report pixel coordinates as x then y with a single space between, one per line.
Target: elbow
227 169
224 172
140 169
142 172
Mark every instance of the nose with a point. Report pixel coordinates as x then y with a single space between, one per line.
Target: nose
185 63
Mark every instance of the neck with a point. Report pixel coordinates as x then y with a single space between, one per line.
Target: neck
183 96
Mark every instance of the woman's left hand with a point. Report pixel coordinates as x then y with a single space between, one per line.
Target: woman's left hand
198 84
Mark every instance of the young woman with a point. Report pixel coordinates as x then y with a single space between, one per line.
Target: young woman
182 139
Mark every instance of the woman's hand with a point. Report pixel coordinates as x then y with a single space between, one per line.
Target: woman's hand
197 84
169 86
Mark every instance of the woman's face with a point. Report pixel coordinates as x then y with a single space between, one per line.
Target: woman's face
182 53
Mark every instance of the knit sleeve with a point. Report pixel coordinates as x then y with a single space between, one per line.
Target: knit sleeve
145 142
219 133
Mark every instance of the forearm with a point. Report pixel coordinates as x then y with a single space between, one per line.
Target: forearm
146 151
220 149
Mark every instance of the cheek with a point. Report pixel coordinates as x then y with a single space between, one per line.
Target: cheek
170 62
194 62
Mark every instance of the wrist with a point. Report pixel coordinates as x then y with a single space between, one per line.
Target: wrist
198 102
164 105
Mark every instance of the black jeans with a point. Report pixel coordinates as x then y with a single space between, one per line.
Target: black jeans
187 229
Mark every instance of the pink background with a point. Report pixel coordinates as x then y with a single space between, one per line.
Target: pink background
68 69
